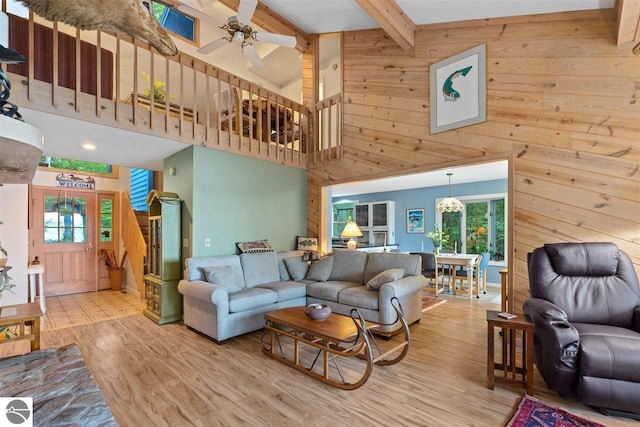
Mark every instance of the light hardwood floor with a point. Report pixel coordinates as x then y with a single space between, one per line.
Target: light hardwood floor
169 375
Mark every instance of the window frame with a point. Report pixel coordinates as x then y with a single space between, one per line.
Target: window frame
479 198
115 171
196 25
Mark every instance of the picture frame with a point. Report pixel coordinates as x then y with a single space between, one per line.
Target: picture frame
458 90
415 221
307 243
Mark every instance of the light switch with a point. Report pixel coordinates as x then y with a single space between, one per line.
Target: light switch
207 243
185 242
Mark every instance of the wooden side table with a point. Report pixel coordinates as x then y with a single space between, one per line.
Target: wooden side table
509 363
504 276
15 319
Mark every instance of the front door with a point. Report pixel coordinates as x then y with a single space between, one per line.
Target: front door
63 237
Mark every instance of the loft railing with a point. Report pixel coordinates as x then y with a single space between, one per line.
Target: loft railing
107 78
329 131
134 242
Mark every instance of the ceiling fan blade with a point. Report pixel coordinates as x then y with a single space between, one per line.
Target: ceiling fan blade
245 11
279 39
251 53
216 44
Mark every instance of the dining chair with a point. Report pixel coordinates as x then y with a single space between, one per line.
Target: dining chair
432 271
479 272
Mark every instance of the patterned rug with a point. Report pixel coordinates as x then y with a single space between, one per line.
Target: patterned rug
429 302
532 412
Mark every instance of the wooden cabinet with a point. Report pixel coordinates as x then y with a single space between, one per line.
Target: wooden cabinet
164 302
377 221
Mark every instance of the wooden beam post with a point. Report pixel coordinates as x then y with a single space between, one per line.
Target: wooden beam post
392 19
269 20
629 23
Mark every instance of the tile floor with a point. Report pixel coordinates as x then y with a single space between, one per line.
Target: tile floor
70 310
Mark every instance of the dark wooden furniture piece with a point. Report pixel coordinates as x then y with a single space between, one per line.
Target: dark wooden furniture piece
504 276
164 302
334 338
17 318
43 60
509 360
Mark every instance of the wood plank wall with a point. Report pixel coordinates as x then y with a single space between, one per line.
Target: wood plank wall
563 101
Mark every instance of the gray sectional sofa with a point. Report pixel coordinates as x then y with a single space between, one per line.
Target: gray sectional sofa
252 284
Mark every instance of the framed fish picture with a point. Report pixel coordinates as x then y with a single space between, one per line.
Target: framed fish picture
458 90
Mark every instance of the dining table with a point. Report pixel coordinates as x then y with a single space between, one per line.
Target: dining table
466 260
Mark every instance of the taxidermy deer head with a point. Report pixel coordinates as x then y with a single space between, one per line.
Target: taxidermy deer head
132 17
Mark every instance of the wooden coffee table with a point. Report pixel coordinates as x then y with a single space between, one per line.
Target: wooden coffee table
334 338
16 318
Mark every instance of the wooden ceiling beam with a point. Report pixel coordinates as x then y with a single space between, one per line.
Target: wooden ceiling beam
273 23
392 19
629 24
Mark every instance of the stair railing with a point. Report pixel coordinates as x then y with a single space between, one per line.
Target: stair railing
134 242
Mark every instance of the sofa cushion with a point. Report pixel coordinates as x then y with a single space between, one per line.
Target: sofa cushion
584 259
321 269
284 273
587 329
249 298
286 290
379 262
260 268
386 276
196 265
296 267
610 357
221 276
328 290
359 296
348 266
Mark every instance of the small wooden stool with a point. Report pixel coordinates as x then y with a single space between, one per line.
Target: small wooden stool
508 365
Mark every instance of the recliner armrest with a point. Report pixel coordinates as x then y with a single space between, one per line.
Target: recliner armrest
546 315
205 291
636 319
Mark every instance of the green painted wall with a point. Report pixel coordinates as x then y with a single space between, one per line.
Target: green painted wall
234 198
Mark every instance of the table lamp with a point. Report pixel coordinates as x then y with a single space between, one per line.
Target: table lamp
351 230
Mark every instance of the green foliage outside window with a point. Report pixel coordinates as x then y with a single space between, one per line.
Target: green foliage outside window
76 165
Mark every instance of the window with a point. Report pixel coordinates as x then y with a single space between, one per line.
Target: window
479 228
176 21
74 166
65 219
106 220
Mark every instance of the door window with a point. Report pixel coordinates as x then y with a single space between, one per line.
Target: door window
106 220
65 219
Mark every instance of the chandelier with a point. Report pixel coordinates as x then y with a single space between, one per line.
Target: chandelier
449 204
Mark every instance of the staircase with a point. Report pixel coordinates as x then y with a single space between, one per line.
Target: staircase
143 222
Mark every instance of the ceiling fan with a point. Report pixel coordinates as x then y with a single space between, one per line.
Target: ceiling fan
239 29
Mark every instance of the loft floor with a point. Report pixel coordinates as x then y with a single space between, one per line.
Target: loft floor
152 375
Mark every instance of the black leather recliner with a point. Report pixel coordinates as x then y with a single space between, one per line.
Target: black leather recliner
585 304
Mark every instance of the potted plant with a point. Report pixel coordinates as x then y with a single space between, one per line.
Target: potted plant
438 237
159 88
116 270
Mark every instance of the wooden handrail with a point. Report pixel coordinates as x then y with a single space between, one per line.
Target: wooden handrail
133 242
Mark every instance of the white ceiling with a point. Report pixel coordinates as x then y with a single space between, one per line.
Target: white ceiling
461 175
325 16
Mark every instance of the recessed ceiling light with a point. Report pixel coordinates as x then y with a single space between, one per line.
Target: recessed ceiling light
88 146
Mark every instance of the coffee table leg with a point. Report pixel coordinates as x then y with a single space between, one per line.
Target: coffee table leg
490 356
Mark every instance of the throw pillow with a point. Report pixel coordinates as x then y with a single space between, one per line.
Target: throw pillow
256 246
386 276
296 267
321 269
221 276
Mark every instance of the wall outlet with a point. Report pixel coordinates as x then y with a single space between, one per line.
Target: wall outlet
207 243
185 242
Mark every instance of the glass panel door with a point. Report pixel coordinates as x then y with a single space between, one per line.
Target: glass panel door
379 214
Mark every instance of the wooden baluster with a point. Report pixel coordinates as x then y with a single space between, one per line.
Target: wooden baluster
98 71
208 103
340 121
240 115
181 125
232 106
218 102
56 60
167 104
269 130
31 58
194 106
152 91
277 127
259 122
329 132
116 111
78 70
135 83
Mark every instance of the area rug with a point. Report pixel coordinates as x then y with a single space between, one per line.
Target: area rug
532 412
429 302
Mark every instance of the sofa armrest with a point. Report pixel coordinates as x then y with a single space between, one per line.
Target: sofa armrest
636 319
205 291
402 287
557 344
